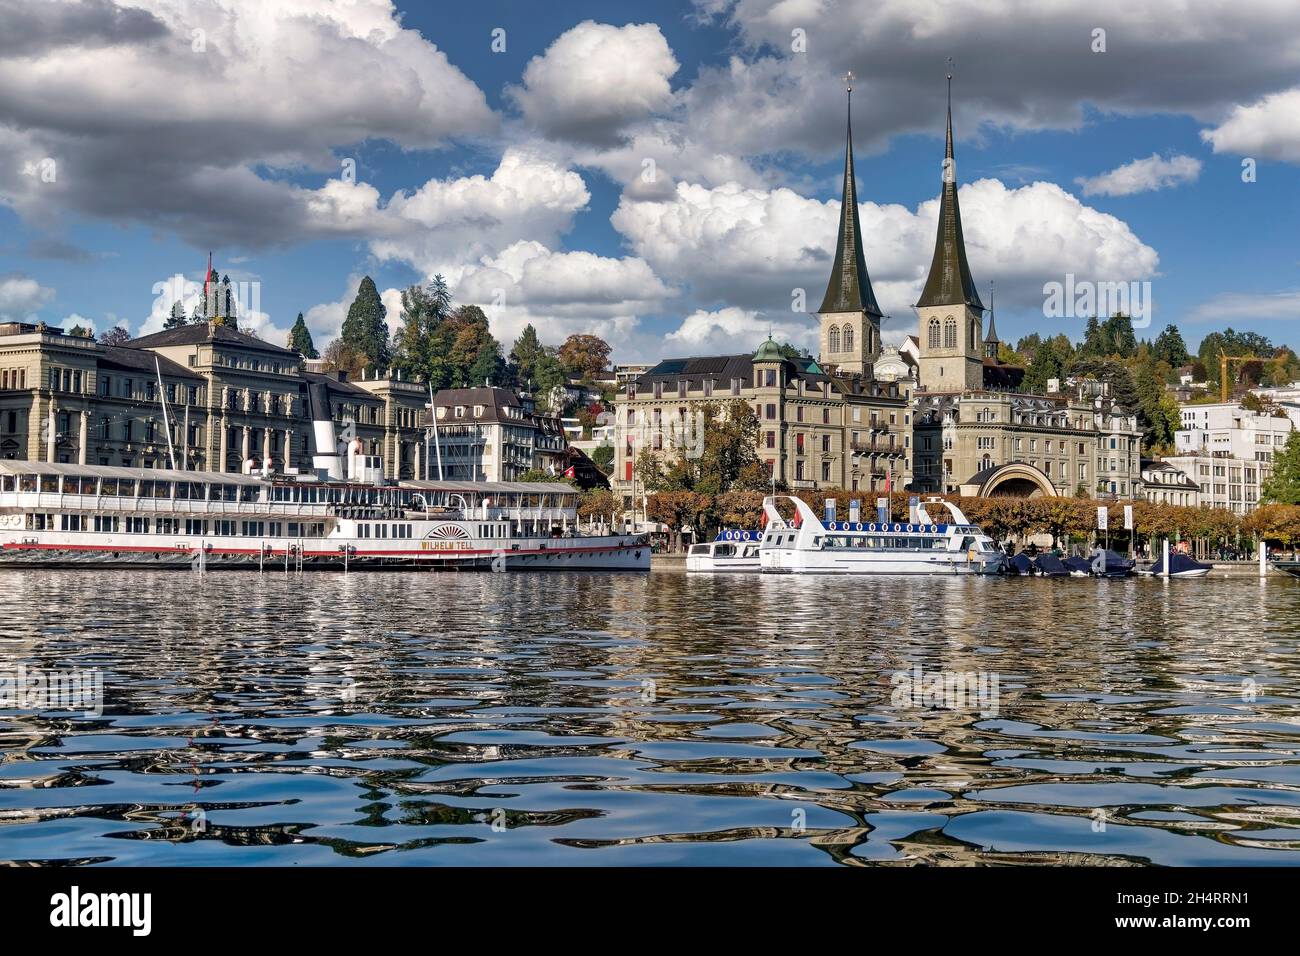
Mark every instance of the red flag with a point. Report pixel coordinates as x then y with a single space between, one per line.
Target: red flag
569 472
889 482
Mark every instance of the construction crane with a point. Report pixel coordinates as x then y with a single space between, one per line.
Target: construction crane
1224 359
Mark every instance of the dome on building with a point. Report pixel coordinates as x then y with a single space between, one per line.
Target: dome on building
769 351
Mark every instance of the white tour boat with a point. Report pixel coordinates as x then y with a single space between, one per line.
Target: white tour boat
920 545
729 551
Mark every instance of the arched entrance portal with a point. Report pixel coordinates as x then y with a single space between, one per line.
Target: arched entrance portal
1014 480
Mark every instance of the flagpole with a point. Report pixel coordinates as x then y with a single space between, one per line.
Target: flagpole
162 397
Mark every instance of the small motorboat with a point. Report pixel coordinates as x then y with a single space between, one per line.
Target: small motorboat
1180 566
1020 564
1108 564
730 551
1102 564
1050 566
1077 567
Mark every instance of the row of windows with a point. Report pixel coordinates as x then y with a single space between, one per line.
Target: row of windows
111 524
383 531
13 378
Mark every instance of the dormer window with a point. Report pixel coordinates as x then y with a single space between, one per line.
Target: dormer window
478 411
659 389
681 388
460 411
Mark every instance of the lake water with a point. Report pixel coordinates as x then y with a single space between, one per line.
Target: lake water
589 719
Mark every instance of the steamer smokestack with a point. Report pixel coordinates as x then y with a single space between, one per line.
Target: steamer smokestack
325 451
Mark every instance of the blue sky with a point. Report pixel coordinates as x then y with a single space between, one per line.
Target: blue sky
520 174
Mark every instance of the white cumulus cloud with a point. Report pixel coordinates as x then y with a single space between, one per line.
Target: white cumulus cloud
1268 128
21 297
595 79
1142 175
756 248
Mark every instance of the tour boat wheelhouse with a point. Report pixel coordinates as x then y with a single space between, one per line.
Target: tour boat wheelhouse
83 515
920 545
731 550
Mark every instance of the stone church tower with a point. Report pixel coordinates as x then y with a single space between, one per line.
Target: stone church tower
850 317
949 309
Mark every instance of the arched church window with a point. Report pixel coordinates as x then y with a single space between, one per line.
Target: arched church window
848 338
833 338
950 333
933 339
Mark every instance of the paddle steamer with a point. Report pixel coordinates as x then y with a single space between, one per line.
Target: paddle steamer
87 515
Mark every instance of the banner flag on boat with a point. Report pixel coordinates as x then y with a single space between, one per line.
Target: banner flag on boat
1128 517
830 510
882 510
855 511
1103 518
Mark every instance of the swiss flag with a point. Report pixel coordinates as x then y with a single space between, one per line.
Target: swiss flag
569 472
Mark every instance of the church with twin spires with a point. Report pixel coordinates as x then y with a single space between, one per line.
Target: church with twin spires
952 351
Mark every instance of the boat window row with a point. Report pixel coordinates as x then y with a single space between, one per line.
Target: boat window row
114 524
377 530
128 488
90 485
881 542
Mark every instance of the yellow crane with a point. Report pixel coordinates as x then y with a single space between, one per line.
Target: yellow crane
1224 359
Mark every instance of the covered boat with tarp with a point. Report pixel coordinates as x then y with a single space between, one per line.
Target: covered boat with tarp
1102 564
1050 566
1180 566
1020 564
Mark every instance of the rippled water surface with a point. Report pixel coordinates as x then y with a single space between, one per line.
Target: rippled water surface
417 718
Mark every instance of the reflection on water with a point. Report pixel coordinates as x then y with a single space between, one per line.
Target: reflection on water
594 719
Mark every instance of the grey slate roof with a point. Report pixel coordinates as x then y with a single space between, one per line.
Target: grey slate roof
201 332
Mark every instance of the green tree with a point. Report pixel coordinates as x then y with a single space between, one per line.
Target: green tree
603 457
1028 346
1046 364
524 356
718 451
300 339
1150 391
1170 347
1121 386
416 346
547 373
1283 486
1091 346
364 330
118 335
176 318
474 355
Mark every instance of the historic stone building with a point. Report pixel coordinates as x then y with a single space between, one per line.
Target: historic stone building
824 422
982 442
493 434
231 398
